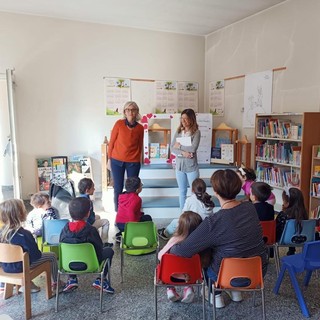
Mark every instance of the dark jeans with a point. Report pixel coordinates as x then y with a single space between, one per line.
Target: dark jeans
118 169
144 217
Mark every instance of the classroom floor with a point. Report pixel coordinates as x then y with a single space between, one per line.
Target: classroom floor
134 298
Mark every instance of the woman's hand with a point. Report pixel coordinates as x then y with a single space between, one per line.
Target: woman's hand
177 145
186 154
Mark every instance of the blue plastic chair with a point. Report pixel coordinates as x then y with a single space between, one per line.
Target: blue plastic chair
51 232
308 260
291 238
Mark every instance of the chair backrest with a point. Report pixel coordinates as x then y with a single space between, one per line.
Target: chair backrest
311 253
291 237
52 229
171 265
78 258
140 234
269 231
244 273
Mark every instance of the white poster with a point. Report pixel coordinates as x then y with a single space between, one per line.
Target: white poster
166 97
117 93
204 121
257 96
216 98
188 96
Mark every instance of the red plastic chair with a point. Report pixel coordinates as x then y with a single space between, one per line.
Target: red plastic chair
240 274
269 236
171 265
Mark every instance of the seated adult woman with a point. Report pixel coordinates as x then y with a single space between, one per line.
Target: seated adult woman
234 231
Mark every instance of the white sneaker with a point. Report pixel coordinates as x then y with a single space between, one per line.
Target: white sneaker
172 295
34 288
235 296
219 301
188 295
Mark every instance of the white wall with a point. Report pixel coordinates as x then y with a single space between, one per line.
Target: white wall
59 69
284 36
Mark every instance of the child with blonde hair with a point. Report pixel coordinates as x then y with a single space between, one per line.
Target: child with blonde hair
42 211
13 214
187 223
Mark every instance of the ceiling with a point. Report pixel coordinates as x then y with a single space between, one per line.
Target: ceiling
196 17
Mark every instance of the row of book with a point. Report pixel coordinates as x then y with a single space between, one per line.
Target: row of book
278 177
282 129
315 187
315 213
282 152
158 151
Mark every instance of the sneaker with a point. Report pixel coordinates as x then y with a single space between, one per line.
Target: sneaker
108 245
162 235
118 239
72 284
106 286
235 296
173 295
188 295
34 288
219 301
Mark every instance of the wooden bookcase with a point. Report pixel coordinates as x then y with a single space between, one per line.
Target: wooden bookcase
283 149
315 183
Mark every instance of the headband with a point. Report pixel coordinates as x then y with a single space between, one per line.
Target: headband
242 171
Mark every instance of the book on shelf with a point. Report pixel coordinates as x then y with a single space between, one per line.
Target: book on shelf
315 213
316 170
154 150
164 151
59 167
215 153
315 187
44 174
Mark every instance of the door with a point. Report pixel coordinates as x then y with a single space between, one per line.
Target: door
9 164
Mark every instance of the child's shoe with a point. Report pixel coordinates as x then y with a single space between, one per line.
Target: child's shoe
106 286
235 296
33 289
188 295
219 301
172 295
72 284
162 234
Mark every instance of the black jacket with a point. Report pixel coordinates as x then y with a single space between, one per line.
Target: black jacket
87 234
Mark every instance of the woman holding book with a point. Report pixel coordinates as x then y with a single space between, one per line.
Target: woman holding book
184 145
125 148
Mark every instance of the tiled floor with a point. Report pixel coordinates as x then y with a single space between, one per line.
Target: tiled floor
134 298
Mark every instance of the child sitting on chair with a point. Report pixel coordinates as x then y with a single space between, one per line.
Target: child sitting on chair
188 222
129 207
86 189
79 231
42 211
13 214
259 194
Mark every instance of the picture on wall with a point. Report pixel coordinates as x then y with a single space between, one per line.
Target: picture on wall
216 98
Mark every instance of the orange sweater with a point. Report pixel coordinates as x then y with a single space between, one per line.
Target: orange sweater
126 144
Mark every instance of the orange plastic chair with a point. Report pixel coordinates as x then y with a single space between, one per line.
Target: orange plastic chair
269 236
240 274
171 265
12 253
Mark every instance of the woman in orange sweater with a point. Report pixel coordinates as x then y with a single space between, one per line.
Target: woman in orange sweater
125 148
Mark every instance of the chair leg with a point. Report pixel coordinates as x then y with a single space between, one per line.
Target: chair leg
8 290
213 302
121 265
27 299
254 298
57 291
203 302
302 303
263 305
307 277
101 289
48 283
156 300
277 259
279 280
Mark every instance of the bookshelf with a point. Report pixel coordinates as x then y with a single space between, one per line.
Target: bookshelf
315 183
283 149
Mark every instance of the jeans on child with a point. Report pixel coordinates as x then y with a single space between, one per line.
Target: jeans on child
171 228
183 178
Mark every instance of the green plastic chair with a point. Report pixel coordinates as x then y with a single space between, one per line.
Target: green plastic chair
85 254
138 238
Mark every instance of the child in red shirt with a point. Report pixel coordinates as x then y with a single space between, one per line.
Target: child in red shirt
129 206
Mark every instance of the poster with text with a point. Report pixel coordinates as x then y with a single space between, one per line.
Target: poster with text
216 98
188 95
166 97
117 93
257 96
204 121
